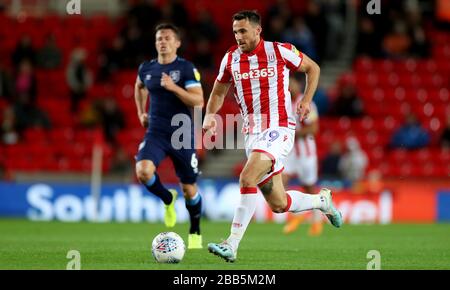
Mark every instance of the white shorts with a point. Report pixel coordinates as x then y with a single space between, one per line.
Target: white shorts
304 167
276 143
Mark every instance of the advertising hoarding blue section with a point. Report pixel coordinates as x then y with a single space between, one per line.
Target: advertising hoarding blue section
443 206
118 202
13 200
132 203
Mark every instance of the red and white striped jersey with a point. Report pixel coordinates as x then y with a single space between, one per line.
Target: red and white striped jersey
306 146
261 83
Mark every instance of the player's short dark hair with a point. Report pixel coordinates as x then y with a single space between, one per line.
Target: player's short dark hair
251 15
170 26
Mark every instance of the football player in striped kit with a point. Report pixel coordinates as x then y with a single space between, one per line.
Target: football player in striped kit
259 71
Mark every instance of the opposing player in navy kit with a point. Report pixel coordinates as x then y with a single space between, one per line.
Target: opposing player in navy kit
174 87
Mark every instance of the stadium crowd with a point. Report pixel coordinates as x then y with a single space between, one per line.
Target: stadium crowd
401 32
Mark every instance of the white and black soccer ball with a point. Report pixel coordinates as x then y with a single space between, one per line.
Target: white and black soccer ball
168 247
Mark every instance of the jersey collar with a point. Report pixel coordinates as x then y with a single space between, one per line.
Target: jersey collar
176 58
257 48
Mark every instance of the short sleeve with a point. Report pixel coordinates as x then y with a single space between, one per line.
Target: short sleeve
291 56
191 76
224 75
139 72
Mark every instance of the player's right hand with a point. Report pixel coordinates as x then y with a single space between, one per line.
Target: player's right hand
303 109
210 124
143 118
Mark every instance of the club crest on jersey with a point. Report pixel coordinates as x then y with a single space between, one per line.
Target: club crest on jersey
271 57
175 75
148 77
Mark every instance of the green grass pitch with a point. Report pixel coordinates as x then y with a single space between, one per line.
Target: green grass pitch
44 245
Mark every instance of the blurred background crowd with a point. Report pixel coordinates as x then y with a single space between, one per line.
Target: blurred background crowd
66 82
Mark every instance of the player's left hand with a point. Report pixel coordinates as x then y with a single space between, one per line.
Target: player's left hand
303 109
167 82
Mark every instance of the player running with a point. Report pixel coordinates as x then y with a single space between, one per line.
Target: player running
302 161
259 71
174 87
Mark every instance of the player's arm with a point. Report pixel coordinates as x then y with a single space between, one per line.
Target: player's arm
215 102
191 97
140 97
312 71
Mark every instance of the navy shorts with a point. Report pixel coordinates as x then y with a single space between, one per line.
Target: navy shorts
157 147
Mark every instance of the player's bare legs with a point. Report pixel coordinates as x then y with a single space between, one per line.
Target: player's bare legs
258 164
278 199
194 206
145 171
294 201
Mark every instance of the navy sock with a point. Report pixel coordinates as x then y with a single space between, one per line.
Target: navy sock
155 186
194 207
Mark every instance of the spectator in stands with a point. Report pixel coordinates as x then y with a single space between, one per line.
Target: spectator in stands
353 163
445 137
79 77
25 108
205 27
411 135
397 43
8 130
147 14
25 83
333 10
301 36
279 9
316 20
112 119
111 59
49 56
89 116
6 84
24 51
368 41
276 28
203 58
348 103
28 115
174 11
136 45
330 163
420 46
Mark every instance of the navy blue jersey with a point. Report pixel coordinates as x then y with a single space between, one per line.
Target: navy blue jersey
163 103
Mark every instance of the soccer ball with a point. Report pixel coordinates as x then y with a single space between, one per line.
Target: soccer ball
168 247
